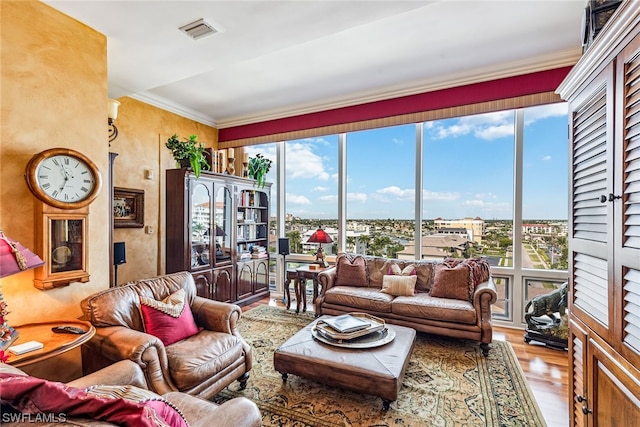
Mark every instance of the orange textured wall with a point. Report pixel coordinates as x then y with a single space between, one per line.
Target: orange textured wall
143 131
54 94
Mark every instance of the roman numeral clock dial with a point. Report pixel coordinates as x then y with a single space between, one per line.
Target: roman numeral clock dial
65 182
63 178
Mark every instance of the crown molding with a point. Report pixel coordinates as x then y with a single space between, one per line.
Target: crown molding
172 107
559 59
530 65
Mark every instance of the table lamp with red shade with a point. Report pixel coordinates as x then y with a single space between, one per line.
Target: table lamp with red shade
320 236
14 258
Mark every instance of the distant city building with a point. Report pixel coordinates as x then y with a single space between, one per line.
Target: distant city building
474 227
436 247
558 229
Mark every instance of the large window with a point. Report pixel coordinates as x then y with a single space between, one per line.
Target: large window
468 190
311 199
545 187
380 190
481 175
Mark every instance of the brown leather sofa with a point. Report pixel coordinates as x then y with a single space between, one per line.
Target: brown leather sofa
200 365
458 318
238 412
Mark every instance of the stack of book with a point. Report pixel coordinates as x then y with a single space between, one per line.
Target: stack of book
349 326
259 252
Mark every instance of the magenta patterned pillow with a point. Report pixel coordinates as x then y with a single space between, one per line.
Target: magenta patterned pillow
170 320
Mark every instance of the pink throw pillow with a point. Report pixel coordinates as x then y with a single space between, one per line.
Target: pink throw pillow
170 320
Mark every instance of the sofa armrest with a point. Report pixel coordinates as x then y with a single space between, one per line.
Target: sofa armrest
221 317
238 412
485 293
124 372
326 278
484 296
215 315
118 343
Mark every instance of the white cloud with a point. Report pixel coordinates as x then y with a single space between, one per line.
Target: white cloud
320 189
395 192
545 111
546 158
397 141
486 126
433 195
302 162
297 200
494 132
485 196
332 198
356 197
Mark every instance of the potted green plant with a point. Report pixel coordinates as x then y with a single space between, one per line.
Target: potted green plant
258 168
188 152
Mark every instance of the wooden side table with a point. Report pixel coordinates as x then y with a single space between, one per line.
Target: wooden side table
54 344
292 275
306 272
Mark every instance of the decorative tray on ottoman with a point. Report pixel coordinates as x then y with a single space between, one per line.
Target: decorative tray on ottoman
324 328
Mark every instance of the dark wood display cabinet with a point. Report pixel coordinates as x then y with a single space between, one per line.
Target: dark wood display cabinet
218 229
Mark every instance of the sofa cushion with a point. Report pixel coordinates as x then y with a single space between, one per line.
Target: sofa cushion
399 285
351 270
205 355
424 306
170 320
454 283
423 269
368 299
407 270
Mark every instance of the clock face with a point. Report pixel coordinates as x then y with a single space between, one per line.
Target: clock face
63 178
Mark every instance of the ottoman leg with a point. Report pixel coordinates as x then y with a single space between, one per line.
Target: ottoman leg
284 377
385 405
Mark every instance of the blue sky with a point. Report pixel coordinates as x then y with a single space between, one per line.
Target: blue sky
468 169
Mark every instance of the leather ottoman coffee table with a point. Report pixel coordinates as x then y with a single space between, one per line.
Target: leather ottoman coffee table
377 371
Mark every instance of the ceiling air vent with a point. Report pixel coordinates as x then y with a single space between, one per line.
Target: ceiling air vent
198 29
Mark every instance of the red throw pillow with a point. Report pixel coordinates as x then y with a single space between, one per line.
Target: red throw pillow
170 320
351 271
452 282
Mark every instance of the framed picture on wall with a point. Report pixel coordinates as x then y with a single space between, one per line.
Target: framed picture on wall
128 208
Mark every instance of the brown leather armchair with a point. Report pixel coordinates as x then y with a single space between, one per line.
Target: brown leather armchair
238 412
200 365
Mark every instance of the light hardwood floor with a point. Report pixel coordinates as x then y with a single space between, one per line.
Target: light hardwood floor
544 368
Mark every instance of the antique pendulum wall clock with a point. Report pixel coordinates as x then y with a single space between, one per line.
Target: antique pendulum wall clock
64 182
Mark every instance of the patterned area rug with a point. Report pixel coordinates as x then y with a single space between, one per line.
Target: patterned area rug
447 383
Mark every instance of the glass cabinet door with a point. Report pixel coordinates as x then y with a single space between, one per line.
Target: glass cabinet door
223 225
200 225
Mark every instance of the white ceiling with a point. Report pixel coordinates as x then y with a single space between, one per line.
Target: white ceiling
275 59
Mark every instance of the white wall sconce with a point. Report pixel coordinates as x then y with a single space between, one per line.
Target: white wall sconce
113 115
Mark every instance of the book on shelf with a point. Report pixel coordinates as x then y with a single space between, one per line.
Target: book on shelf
347 323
